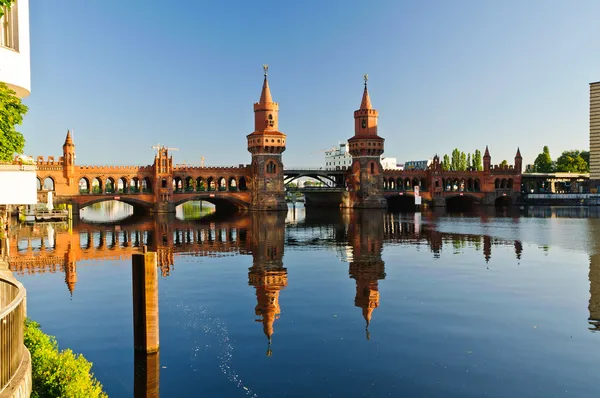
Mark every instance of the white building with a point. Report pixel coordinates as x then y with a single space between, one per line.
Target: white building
15 69
339 157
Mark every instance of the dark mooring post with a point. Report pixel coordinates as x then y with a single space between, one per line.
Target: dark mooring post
145 302
145 325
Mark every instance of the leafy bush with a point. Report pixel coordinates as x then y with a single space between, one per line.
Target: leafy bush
58 373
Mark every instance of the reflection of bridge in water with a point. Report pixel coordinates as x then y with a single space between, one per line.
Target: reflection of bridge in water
357 237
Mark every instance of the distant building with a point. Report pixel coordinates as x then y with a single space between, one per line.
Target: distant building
339 157
595 134
15 69
390 164
417 164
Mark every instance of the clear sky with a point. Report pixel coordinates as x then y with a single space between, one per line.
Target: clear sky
125 75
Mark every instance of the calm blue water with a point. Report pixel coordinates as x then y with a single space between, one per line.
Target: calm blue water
482 305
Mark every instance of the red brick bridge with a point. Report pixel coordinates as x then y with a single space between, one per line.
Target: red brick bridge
161 186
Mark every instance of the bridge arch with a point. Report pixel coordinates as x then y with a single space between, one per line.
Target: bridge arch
225 203
401 203
39 183
133 201
84 185
503 201
48 184
243 184
97 185
110 185
200 184
146 185
461 202
122 185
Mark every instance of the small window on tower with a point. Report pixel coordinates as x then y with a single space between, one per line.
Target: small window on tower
364 123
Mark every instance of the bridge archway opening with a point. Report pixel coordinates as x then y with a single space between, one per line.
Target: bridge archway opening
222 183
48 184
97 185
222 205
401 203
110 185
461 203
106 211
243 184
122 185
232 184
84 185
200 184
134 185
503 201
146 185
39 184
194 210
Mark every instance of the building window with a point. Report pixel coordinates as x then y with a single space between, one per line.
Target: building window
9 32
271 168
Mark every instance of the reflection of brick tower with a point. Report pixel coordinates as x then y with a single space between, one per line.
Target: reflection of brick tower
365 181
70 269
365 234
267 273
487 248
266 144
160 240
69 159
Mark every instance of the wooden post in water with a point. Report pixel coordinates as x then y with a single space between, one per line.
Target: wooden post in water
145 302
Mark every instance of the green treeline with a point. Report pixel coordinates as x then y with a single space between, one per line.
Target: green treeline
574 161
461 161
58 373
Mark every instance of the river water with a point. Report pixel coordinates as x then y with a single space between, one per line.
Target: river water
328 304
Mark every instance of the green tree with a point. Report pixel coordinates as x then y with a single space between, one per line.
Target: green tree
477 161
586 156
455 160
446 163
11 114
572 161
5 3
504 163
462 164
469 162
543 162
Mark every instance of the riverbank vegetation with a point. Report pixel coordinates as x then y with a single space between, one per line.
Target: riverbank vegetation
58 373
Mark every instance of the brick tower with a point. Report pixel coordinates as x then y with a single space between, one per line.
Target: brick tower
266 144
69 159
365 181
518 162
163 183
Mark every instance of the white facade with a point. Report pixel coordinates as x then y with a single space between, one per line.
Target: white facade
390 164
15 69
338 157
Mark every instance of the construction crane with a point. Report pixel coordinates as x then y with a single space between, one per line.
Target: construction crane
158 147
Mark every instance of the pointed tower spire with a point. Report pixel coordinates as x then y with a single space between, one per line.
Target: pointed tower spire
487 151
366 101
69 139
518 153
265 95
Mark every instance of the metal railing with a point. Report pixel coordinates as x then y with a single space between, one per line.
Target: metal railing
12 320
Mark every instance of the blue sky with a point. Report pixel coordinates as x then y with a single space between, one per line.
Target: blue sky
125 75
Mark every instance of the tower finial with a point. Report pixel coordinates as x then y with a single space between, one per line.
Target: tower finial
266 69
366 78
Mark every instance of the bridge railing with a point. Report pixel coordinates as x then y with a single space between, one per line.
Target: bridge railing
12 321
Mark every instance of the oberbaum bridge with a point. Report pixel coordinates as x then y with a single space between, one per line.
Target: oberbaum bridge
162 186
